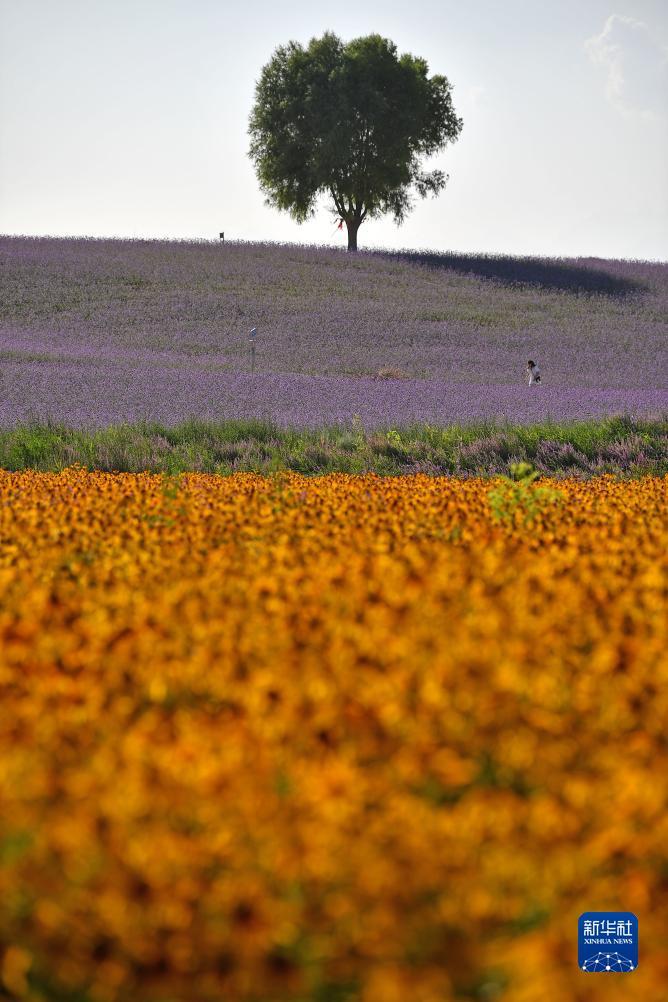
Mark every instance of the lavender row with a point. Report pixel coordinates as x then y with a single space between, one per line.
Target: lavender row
98 394
459 319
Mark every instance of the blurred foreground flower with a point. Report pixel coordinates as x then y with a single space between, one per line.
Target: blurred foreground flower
327 738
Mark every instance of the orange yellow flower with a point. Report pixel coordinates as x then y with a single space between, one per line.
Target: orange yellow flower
282 738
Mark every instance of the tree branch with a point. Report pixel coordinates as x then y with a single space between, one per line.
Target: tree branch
337 203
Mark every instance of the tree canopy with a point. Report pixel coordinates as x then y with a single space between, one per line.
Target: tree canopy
352 122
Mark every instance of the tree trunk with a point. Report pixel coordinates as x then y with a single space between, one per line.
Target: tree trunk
353 227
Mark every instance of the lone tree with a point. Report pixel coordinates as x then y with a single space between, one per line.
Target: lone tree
352 122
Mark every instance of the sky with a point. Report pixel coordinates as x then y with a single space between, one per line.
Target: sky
129 118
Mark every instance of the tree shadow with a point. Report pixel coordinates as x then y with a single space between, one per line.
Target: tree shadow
552 274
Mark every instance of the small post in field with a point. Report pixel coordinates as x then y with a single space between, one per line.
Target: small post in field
251 338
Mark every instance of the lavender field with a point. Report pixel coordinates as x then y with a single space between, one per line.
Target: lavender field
97 332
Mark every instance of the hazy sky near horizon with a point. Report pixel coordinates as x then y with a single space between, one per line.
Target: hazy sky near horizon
129 118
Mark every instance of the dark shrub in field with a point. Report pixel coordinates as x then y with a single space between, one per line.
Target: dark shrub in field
552 456
491 455
634 449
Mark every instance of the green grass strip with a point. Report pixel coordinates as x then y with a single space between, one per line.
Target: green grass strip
623 446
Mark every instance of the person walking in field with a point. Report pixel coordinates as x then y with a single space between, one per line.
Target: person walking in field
533 372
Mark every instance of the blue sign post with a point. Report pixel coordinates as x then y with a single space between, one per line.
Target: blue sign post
607 942
251 338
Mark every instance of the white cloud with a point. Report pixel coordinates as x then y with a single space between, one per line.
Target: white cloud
636 66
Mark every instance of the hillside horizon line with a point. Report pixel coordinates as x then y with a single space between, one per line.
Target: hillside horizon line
297 245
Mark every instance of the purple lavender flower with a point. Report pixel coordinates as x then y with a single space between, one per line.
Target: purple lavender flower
94 332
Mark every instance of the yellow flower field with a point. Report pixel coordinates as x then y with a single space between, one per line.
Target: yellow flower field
328 739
